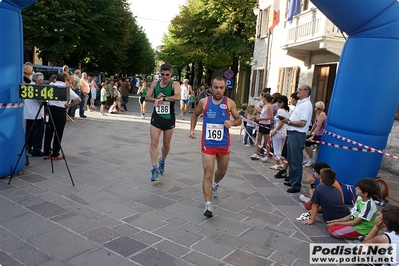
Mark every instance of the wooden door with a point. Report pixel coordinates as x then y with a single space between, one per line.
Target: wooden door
325 83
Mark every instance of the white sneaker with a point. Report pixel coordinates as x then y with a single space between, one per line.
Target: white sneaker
304 198
309 163
215 190
181 116
255 156
264 159
208 210
246 145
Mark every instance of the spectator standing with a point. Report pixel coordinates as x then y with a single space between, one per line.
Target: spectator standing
75 88
279 133
266 114
133 82
58 112
84 94
298 125
103 98
249 125
125 88
283 172
215 137
316 132
35 127
65 70
93 88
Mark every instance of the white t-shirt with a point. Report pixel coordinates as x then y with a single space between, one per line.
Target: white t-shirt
72 95
303 111
286 114
30 109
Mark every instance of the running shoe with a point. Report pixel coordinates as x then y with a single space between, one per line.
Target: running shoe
215 190
304 198
154 175
161 167
255 156
264 159
208 210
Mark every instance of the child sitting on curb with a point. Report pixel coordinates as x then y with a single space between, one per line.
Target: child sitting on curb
317 167
363 215
388 220
328 197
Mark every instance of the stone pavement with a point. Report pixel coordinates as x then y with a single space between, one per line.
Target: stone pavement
114 215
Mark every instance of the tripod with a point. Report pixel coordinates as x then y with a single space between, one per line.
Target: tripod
48 111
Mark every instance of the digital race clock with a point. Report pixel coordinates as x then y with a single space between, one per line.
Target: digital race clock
43 92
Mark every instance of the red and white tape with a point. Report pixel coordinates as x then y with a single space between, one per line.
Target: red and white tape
10 105
366 148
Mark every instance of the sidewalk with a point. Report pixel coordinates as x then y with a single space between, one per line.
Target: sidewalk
114 215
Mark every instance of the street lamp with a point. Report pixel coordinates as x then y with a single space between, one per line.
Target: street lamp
256 9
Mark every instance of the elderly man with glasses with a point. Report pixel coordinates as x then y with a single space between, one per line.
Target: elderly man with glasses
298 125
163 93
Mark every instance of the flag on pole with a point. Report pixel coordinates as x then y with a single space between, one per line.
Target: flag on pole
294 9
276 13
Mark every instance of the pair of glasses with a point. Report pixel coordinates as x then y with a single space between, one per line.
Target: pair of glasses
279 101
163 74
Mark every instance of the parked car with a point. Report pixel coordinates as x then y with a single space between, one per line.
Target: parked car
48 71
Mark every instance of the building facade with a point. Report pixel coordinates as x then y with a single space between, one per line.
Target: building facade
303 47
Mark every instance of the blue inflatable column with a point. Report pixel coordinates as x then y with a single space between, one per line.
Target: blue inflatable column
12 136
366 90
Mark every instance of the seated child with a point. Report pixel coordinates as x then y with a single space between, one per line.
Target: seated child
363 215
387 220
311 179
328 197
115 107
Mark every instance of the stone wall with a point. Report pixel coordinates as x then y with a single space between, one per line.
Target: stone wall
389 164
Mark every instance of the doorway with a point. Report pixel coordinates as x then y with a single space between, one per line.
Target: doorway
325 82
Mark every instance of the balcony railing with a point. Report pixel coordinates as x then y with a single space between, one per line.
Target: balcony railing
311 25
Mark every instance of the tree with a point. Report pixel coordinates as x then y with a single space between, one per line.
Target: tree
92 34
214 33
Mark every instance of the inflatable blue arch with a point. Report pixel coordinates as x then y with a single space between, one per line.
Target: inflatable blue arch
366 90
12 136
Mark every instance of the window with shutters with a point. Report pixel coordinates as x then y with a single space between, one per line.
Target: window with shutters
257 83
287 80
262 29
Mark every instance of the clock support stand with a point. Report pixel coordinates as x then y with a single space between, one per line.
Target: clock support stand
49 120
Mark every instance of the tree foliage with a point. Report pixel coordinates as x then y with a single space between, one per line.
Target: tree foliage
94 34
215 33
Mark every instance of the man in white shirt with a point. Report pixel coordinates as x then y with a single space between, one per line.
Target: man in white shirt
34 128
298 125
58 113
